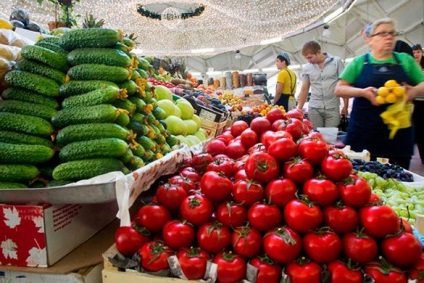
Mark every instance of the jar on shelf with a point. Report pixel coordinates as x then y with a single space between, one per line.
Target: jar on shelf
235 78
222 82
216 83
242 80
249 79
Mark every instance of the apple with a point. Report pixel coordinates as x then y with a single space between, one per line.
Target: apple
168 106
186 108
175 125
201 134
191 126
196 119
163 92
177 111
182 139
195 140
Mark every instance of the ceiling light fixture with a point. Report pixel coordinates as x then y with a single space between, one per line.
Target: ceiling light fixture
326 32
238 55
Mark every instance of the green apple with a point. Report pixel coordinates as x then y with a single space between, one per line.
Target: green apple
200 134
175 125
168 106
196 119
191 126
163 92
182 139
186 108
195 140
177 111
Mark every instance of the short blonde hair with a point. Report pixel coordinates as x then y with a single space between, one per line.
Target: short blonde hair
369 29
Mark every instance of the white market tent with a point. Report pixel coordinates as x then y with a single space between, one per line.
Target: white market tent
211 31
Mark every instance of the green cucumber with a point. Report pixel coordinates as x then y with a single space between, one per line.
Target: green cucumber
46 56
32 82
27 108
131 87
98 72
100 148
18 172
86 169
24 153
102 113
106 56
85 132
98 96
21 94
52 46
12 185
41 69
79 87
19 138
126 105
92 37
26 124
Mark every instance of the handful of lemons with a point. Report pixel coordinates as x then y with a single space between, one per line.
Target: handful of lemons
391 92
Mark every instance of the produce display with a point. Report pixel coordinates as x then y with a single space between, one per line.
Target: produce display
273 196
385 171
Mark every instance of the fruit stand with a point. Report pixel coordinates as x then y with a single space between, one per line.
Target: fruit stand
98 144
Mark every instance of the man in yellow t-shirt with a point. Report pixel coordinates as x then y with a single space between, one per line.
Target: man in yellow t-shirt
286 83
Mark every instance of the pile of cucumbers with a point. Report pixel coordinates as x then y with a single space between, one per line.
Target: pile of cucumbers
77 107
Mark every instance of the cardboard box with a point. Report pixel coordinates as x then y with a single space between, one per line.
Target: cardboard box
40 235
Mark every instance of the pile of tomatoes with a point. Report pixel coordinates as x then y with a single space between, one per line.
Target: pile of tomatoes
276 197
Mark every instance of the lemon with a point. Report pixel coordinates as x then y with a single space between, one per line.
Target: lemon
380 99
391 98
391 83
398 91
383 91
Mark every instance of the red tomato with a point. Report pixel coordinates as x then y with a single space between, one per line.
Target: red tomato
336 166
246 241
381 273
274 114
200 161
190 172
170 195
298 170
263 216
355 191
262 167
280 191
304 272
277 124
129 240
216 146
193 262
417 270
315 135
268 271
260 125
404 224
213 237
240 175
153 217
341 273
322 246
187 184
196 209
403 249
302 216
294 127
235 150
360 247
231 267
313 150
249 138
259 147
231 214
154 256
282 244
321 191
295 113
178 234
308 124
238 127
270 136
283 149
341 219
379 221
215 187
224 165
247 192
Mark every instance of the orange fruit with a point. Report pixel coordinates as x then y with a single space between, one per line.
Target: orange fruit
391 98
383 91
398 91
391 83
380 99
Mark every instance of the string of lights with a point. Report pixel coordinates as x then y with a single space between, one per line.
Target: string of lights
216 26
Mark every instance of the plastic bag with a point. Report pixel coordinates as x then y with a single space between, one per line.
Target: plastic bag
9 37
11 53
397 116
344 122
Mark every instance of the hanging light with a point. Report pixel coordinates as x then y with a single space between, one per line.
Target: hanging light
326 32
238 55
